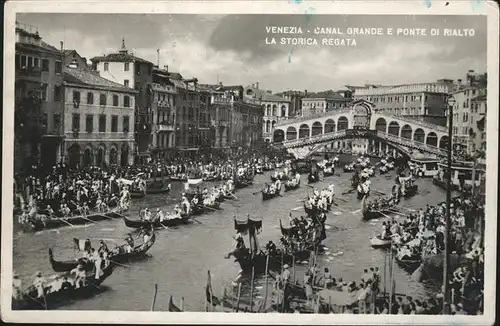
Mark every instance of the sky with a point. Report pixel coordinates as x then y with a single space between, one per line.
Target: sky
232 49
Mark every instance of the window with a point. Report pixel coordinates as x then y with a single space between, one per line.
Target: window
126 83
126 101
23 61
90 98
36 62
57 122
76 97
30 62
57 93
76 122
137 69
45 65
102 99
115 100
106 66
44 91
58 67
114 123
126 66
89 123
126 121
102 123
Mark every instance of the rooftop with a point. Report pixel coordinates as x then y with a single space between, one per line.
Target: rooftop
122 56
76 76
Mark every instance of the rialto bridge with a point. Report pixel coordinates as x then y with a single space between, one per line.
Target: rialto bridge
383 131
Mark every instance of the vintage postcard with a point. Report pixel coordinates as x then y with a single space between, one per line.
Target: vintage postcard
250 162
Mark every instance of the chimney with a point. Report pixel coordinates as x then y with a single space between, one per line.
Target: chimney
220 83
73 64
305 93
257 85
165 67
62 46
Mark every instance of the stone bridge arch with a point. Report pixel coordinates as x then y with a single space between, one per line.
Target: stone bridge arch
291 133
304 131
317 128
431 139
329 126
342 123
381 125
278 136
406 132
393 128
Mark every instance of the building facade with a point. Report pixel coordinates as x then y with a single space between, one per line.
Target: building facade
220 112
312 106
135 73
99 120
163 107
39 100
275 107
423 101
469 112
247 122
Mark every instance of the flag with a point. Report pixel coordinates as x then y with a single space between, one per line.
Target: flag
82 244
195 181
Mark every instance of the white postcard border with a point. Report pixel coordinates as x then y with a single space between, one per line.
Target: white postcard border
473 7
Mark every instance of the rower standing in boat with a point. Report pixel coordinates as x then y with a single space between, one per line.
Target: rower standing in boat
17 287
80 276
130 243
39 283
103 248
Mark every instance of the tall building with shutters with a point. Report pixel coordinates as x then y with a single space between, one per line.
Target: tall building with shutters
99 119
39 98
135 73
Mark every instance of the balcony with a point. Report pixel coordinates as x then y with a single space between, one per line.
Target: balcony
34 72
165 127
164 104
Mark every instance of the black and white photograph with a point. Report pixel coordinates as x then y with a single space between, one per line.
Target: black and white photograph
250 158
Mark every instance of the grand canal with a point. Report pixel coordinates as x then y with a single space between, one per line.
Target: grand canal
181 257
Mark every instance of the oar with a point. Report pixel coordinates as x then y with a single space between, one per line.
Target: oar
257 192
196 220
234 196
348 192
214 209
62 219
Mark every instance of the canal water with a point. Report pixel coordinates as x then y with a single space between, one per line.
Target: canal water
181 257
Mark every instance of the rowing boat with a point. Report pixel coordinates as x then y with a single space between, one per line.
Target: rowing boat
267 195
138 224
313 177
377 242
55 222
52 299
371 214
118 257
289 187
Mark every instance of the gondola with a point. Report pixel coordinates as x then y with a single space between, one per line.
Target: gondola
172 307
410 191
267 196
51 300
371 214
314 210
178 178
313 177
377 242
165 188
238 184
119 257
289 187
328 172
138 224
201 209
55 222
136 194
410 264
